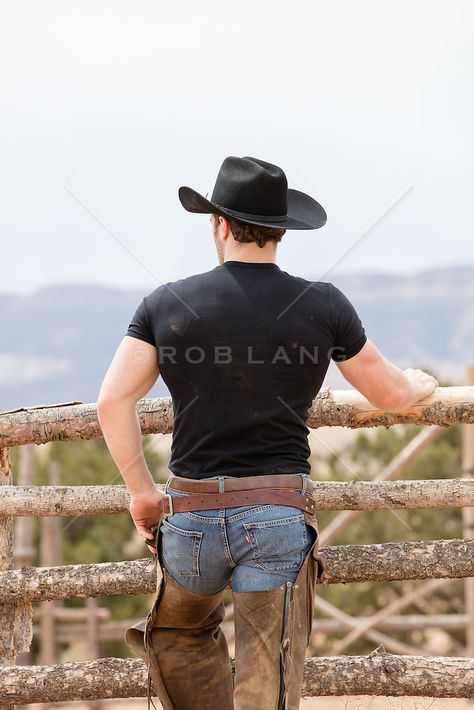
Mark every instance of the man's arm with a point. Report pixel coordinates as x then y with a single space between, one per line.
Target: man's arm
131 374
383 383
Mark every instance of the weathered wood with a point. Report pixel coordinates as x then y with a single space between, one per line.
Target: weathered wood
77 421
64 500
445 406
329 495
86 680
379 495
379 673
50 554
23 548
468 519
7 610
6 523
390 561
76 581
24 551
386 674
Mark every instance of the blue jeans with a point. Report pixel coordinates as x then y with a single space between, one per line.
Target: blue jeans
252 548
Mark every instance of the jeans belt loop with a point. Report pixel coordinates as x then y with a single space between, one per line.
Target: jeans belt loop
168 483
221 484
304 480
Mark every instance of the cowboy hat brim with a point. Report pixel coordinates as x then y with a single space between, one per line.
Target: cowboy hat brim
303 211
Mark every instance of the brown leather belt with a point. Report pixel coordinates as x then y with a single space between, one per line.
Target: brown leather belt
273 480
237 493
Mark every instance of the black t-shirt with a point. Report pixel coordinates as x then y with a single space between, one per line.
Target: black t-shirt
244 349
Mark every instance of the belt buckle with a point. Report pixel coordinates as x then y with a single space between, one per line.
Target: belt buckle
170 506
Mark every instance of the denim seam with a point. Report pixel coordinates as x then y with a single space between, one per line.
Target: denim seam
251 510
200 518
180 531
271 567
227 551
274 523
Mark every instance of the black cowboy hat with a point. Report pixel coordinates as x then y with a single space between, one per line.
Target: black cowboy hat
253 191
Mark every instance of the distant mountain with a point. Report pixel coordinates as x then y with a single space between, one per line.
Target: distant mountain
56 343
426 319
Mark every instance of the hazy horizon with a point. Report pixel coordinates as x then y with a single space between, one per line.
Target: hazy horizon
333 276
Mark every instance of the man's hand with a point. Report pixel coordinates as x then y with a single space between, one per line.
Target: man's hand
145 513
421 382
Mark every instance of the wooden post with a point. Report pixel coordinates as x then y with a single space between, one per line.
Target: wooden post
50 557
23 551
468 520
7 611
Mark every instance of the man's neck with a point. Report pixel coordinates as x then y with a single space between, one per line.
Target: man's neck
252 256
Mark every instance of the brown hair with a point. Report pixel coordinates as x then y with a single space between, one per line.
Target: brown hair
246 233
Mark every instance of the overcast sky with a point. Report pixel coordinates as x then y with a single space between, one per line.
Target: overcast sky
367 106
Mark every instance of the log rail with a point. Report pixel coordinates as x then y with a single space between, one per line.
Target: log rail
76 421
379 673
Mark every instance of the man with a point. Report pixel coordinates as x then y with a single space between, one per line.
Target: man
243 349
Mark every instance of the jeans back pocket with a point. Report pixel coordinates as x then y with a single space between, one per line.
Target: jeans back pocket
278 544
181 549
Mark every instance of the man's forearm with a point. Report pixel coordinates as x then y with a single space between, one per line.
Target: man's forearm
384 384
121 430
404 392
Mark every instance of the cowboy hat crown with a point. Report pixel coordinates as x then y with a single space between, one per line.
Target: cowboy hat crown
254 191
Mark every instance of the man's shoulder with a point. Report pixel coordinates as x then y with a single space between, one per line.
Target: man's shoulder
310 286
178 285
187 284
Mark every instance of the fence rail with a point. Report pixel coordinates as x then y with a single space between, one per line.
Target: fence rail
36 501
379 673
383 562
77 421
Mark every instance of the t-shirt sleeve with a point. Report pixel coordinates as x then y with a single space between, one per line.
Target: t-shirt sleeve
140 326
349 333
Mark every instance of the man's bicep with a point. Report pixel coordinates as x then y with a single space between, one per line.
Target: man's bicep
132 372
349 333
369 373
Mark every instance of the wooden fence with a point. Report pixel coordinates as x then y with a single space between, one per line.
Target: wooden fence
379 673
